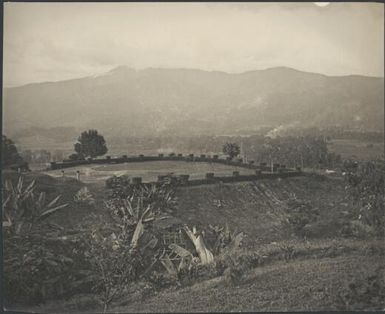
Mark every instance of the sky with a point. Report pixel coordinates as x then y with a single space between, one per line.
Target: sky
59 41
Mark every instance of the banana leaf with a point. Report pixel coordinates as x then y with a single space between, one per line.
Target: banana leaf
49 212
53 202
180 251
41 200
167 263
137 233
19 186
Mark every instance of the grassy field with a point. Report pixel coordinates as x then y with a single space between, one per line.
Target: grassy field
149 170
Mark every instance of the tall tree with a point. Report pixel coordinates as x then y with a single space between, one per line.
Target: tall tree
231 149
91 144
9 153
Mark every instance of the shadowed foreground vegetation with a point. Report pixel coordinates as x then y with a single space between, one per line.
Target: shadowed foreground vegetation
305 243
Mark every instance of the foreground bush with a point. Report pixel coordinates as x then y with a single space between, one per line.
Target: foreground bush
125 203
116 260
128 250
295 216
24 208
299 214
37 264
364 294
84 197
116 182
37 268
365 185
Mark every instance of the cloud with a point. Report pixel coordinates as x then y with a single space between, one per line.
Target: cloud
55 41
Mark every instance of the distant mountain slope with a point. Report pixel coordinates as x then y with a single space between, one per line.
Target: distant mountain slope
182 101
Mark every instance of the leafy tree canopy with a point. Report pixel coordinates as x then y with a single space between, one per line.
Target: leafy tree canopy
91 144
231 149
9 154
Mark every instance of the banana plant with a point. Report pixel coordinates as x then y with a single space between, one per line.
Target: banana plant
205 255
169 266
160 198
139 229
226 240
23 206
187 258
138 209
84 196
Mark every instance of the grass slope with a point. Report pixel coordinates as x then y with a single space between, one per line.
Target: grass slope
252 207
295 286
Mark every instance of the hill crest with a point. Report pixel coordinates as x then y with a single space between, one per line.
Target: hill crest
158 101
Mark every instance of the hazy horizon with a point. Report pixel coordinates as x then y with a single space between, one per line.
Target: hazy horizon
187 69
47 42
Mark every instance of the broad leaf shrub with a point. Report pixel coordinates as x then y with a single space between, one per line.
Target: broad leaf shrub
84 197
114 262
201 263
363 294
116 182
37 268
299 214
32 269
117 259
295 216
160 198
365 185
24 208
127 250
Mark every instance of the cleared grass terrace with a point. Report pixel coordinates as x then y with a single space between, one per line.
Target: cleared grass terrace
148 170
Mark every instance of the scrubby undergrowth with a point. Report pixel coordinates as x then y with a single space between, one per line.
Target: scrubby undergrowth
294 237
323 274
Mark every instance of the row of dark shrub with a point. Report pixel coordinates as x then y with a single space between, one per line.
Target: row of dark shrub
172 156
210 178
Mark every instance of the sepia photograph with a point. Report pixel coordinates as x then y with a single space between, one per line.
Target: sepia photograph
184 157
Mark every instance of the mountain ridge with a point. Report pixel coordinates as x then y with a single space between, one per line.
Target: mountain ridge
125 101
122 67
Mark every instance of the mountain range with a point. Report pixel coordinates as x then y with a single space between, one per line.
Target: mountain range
128 102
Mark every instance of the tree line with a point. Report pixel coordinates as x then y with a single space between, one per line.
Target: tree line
305 151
